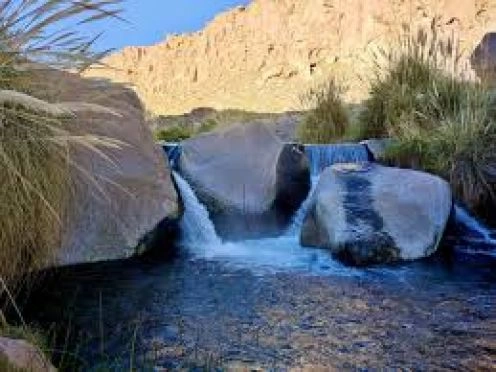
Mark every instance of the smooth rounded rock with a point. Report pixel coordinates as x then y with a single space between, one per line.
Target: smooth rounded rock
371 214
249 180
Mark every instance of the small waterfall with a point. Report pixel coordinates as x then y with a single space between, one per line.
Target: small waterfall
299 217
196 226
173 152
474 227
323 156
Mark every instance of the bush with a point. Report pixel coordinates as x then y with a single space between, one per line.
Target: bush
442 123
173 134
453 137
328 119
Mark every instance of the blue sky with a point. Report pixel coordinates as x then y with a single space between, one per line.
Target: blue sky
151 20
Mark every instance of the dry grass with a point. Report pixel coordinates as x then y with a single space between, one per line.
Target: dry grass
442 119
328 119
35 140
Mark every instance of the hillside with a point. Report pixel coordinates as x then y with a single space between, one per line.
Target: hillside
264 56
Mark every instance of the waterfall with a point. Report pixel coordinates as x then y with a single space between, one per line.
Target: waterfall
260 255
323 156
474 227
173 152
196 226
299 216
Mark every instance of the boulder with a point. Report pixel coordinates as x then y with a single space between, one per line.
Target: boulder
249 180
371 214
18 355
123 193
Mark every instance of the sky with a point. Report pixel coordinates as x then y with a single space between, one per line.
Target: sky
151 20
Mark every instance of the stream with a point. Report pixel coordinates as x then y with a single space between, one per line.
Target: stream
273 304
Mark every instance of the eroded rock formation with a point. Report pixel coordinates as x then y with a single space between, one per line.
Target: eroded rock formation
264 56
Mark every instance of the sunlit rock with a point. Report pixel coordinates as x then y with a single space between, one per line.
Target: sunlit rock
370 214
250 181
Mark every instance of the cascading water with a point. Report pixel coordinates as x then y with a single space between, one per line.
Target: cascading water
483 233
299 217
323 156
196 226
476 239
284 252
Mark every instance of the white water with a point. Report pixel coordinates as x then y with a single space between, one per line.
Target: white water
297 221
323 156
258 255
474 226
196 226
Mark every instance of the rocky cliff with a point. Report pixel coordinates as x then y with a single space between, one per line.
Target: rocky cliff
264 56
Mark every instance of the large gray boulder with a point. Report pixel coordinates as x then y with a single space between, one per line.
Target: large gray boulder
123 193
370 214
249 180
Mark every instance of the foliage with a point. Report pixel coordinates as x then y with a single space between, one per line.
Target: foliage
179 128
328 118
443 122
35 141
173 134
453 137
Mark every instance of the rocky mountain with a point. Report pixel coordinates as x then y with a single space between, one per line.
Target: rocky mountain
262 57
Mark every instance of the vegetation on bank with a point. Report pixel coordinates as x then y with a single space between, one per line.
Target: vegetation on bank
442 122
328 119
36 141
35 137
203 120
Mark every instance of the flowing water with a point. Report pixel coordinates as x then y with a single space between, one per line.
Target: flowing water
322 156
272 303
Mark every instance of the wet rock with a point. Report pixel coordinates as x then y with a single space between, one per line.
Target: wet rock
370 214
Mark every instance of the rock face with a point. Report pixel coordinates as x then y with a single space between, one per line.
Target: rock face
122 193
370 214
249 180
263 56
20 355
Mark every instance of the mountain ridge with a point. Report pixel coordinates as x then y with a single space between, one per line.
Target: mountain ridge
264 56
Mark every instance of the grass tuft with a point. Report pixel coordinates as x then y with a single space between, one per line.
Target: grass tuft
328 118
442 121
35 140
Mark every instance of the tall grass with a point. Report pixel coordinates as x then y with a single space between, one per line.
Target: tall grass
442 122
35 140
328 118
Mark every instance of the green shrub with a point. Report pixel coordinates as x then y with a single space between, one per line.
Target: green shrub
441 122
396 97
173 134
327 120
453 137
